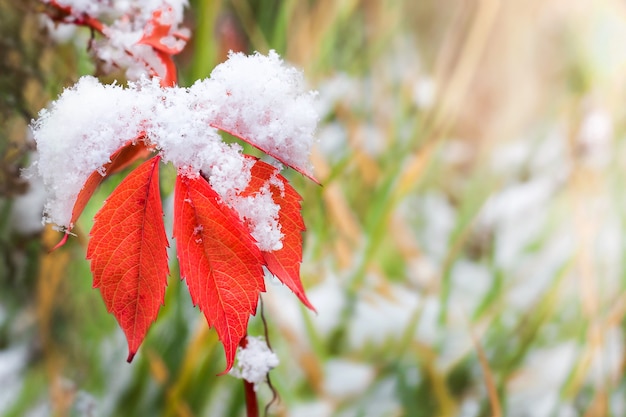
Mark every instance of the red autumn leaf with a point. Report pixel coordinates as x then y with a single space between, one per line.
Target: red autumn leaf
157 35
128 252
155 31
218 259
119 160
274 155
65 16
285 262
168 79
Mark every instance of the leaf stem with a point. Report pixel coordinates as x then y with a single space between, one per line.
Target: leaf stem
252 405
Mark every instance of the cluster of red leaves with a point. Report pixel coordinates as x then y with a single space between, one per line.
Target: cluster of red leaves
153 33
219 259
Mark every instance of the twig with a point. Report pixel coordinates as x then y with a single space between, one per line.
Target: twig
275 395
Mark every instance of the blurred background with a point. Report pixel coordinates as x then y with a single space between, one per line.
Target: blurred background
465 253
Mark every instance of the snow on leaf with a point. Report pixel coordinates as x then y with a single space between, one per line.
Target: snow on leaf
285 262
266 149
218 259
259 99
157 32
169 76
77 135
263 102
120 159
128 253
224 235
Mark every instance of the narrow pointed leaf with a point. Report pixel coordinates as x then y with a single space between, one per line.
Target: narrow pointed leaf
271 153
169 78
128 252
283 263
218 259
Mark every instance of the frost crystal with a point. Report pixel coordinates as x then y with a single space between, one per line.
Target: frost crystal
254 361
256 97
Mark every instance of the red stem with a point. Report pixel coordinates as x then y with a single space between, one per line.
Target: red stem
252 405
84 20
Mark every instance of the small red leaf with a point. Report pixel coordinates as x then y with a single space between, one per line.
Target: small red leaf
155 32
218 259
119 160
128 252
168 79
158 34
285 262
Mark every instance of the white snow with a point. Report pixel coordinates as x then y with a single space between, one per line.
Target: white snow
129 21
536 386
258 97
470 282
319 408
333 141
330 299
27 208
595 138
262 100
345 378
438 216
607 356
254 361
12 364
502 213
263 215
76 136
380 316
424 93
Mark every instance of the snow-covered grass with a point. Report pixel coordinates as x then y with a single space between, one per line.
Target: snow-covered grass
465 253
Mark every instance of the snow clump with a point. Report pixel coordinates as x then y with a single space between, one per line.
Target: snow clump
254 361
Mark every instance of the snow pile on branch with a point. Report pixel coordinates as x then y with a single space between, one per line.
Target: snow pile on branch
256 97
254 361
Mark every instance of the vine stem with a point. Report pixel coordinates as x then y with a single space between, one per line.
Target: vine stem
252 404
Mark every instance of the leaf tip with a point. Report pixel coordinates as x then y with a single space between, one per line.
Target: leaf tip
308 305
225 371
299 292
61 243
230 351
131 355
311 177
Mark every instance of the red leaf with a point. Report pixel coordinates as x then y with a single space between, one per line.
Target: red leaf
128 253
155 32
68 16
218 259
119 160
267 151
168 79
284 263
